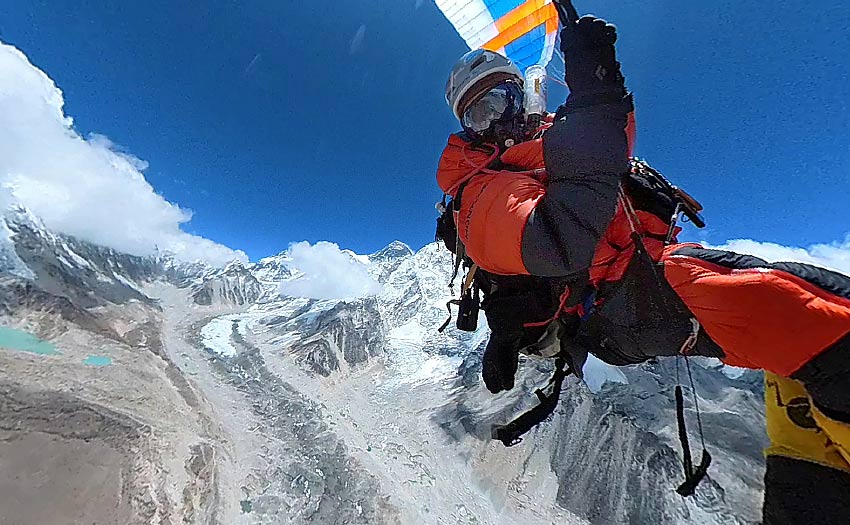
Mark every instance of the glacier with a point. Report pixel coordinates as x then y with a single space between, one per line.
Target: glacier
228 402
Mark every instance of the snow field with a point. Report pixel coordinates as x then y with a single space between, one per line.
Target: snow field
216 334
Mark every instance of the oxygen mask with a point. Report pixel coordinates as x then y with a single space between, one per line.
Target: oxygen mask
497 115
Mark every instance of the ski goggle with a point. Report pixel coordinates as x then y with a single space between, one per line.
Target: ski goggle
501 102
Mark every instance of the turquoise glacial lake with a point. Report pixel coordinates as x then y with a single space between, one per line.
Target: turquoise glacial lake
25 342
97 360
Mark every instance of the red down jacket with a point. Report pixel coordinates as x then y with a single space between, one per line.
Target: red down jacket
521 223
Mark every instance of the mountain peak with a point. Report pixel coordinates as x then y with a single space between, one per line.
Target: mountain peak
393 250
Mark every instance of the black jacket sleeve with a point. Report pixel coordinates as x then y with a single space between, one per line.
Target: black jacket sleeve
586 154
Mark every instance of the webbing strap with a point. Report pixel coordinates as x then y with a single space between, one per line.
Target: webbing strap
470 277
511 433
449 304
468 282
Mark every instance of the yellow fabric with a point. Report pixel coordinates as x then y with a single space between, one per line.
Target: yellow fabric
838 432
798 430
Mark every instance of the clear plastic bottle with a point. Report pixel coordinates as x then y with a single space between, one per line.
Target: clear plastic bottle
535 90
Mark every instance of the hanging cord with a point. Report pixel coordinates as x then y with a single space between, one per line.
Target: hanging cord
475 169
485 166
693 476
562 308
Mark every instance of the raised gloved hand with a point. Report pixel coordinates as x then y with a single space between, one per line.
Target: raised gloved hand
592 71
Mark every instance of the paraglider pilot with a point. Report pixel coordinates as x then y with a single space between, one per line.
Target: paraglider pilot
572 246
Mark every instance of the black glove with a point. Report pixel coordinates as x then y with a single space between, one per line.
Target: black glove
499 365
592 71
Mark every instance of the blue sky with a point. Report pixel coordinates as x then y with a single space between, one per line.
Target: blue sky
278 122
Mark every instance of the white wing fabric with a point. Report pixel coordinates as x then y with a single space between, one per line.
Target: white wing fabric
523 30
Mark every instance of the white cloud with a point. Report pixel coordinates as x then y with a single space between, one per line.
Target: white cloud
327 273
84 187
835 256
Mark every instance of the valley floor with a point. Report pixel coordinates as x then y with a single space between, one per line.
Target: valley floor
171 432
362 446
192 424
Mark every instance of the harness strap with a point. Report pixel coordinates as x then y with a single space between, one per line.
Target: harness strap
460 248
511 433
468 283
470 276
449 304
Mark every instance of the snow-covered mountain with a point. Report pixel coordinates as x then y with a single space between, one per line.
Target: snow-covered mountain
269 408
89 275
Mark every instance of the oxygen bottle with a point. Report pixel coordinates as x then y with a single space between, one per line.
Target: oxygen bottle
535 96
